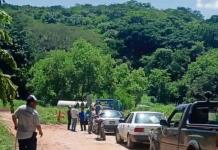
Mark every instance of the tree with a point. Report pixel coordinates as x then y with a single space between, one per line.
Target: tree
130 85
202 76
5 19
7 88
83 70
158 85
210 35
160 59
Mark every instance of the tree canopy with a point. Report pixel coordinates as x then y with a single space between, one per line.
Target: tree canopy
132 51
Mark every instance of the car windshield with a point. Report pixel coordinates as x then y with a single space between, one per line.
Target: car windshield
149 118
111 114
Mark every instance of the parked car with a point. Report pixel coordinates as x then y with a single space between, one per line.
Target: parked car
191 126
110 119
136 127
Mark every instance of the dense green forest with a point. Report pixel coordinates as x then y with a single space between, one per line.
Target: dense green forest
131 51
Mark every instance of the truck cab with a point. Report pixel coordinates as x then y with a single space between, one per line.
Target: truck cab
191 126
112 104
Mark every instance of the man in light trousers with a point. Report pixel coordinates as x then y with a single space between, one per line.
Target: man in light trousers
74 116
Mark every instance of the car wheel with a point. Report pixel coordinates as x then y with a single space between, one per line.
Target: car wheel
119 140
130 144
191 148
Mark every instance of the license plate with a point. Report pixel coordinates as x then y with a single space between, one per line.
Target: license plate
111 122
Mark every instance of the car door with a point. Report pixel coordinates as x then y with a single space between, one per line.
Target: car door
170 135
127 125
121 126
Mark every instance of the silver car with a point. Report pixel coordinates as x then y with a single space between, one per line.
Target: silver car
111 120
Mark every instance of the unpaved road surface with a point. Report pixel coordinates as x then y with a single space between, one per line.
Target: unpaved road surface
56 137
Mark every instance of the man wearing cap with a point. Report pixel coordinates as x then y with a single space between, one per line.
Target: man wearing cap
26 121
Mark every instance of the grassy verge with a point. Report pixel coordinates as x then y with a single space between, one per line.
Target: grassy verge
6 139
166 109
48 115
157 107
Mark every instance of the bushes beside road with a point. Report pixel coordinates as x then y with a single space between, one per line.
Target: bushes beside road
6 139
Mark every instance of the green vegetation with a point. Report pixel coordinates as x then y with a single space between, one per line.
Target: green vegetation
202 76
6 138
7 63
156 107
131 51
59 36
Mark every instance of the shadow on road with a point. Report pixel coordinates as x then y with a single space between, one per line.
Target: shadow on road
137 146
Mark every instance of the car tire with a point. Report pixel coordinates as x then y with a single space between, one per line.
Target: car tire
119 140
191 148
130 143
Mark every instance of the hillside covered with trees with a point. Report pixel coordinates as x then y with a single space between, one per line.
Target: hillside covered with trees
131 51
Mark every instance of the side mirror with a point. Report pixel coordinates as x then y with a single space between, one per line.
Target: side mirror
122 120
164 122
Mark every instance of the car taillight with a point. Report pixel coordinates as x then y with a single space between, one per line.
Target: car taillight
139 130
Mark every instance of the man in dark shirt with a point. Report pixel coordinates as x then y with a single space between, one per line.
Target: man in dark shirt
69 117
82 118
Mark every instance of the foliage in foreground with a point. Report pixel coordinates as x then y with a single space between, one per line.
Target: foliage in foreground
6 138
7 63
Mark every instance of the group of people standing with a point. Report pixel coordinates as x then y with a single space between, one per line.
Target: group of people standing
74 115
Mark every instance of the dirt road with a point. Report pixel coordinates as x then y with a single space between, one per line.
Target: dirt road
56 137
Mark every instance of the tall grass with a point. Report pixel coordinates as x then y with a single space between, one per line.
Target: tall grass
6 139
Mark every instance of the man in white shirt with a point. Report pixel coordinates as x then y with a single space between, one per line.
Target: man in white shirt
26 121
74 116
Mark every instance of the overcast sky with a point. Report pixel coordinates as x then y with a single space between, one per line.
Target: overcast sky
207 7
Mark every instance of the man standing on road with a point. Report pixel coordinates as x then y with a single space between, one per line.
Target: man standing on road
74 116
91 115
69 117
26 121
82 119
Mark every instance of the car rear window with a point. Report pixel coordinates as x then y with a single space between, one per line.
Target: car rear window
148 118
111 114
204 115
